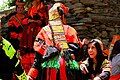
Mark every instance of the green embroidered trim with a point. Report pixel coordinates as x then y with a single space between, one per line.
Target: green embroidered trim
73 64
53 63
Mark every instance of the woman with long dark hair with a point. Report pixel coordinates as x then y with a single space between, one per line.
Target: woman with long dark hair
115 61
96 66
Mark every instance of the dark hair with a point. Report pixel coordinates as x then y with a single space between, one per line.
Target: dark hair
21 1
99 57
115 50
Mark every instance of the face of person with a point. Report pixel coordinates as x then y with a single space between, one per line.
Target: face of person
36 0
92 51
20 9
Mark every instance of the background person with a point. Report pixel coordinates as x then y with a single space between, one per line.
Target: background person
15 25
115 61
36 18
96 66
9 62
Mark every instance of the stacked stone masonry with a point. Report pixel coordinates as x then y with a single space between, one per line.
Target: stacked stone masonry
95 18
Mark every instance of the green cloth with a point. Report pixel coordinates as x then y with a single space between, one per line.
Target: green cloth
52 63
73 64
8 48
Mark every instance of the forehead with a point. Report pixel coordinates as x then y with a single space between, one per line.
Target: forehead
20 6
91 44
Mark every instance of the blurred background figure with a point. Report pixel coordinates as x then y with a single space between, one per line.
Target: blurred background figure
9 63
115 61
83 50
15 26
36 18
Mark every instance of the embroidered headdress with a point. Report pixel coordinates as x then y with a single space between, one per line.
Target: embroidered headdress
56 11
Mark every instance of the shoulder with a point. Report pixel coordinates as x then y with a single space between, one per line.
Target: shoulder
118 55
68 26
106 64
106 61
12 18
116 58
71 29
44 30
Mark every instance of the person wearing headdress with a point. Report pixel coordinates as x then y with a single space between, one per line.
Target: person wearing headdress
54 45
15 26
36 18
9 63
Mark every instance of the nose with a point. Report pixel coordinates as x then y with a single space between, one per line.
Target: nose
90 49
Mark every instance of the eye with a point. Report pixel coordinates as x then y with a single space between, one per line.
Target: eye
88 47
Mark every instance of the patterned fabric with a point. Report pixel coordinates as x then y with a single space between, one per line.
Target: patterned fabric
74 65
53 12
53 63
9 50
58 35
22 76
106 65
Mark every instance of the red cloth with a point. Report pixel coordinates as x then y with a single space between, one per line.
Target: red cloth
53 73
115 77
26 61
40 9
30 32
62 70
33 73
14 23
46 36
32 28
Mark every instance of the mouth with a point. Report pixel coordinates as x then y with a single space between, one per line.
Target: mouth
91 54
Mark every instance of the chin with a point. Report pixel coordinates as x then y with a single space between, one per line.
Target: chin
91 56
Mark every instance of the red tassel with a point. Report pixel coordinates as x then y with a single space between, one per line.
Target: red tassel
62 70
47 72
53 73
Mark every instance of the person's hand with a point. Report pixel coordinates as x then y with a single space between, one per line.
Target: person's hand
97 78
38 45
30 20
83 68
13 35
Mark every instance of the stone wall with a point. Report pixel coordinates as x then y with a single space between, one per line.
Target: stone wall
95 18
